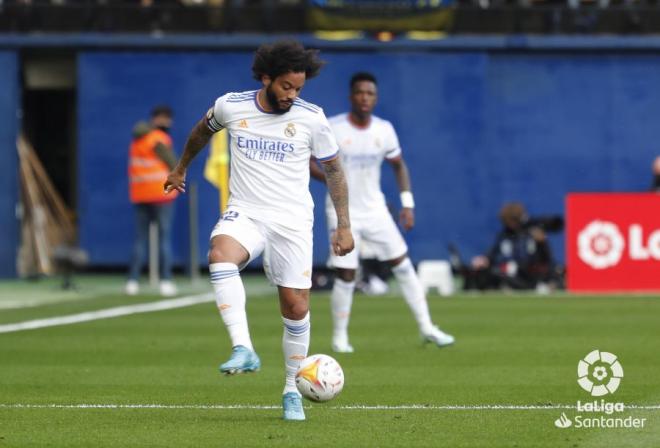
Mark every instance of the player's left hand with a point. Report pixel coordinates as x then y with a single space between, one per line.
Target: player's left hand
341 241
407 218
176 180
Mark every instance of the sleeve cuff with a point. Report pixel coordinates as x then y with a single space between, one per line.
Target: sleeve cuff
330 157
393 154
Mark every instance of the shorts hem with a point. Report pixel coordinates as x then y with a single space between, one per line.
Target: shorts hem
405 251
336 266
294 285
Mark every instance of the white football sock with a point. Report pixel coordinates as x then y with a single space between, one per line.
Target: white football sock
230 298
295 343
413 292
341 301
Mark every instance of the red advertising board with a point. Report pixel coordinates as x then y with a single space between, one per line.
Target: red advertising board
613 242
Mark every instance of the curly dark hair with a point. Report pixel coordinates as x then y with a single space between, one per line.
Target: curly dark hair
283 57
362 76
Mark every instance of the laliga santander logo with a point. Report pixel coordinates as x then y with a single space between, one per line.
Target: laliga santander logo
599 373
601 244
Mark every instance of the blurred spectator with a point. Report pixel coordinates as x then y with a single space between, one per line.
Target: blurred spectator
655 185
520 258
150 161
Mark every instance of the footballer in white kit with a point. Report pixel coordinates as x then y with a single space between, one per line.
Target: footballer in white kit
365 140
270 204
273 136
362 154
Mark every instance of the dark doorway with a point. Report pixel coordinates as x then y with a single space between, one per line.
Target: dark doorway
49 117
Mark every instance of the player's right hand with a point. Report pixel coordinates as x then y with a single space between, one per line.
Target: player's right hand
176 180
342 241
407 218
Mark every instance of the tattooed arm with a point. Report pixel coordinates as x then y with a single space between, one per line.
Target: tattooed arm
198 138
342 239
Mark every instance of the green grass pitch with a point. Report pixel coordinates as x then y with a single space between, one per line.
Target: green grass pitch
511 350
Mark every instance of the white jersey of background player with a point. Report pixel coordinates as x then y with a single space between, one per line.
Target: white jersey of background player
273 135
364 142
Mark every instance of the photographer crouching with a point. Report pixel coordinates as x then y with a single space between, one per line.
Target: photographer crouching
520 258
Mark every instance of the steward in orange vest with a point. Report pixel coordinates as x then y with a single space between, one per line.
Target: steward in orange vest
150 160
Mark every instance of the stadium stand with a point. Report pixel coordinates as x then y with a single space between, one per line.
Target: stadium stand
223 16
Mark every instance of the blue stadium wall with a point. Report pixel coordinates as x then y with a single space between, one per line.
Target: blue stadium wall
9 95
478 127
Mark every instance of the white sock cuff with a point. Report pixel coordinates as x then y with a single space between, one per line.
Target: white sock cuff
344 284
217 267
403 267
222 271
297 327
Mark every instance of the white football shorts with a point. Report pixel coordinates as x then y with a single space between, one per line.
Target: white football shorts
287 251
378 231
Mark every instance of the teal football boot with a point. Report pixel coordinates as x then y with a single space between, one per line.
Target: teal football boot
292 405
242 360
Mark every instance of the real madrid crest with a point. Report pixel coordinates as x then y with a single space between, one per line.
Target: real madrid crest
290 130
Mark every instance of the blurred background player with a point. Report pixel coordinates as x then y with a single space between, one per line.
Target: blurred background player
150 160
273 135
364 141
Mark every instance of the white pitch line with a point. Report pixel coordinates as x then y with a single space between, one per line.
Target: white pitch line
22 303
108 313
405 407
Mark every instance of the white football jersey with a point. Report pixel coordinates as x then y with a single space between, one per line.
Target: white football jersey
270 155
362 152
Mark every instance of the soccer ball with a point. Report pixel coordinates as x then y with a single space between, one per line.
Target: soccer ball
319 378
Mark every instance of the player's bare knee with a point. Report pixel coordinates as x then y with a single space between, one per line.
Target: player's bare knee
347 275
216 255
294 303
219 255
397 261
298 311
295 311
225 249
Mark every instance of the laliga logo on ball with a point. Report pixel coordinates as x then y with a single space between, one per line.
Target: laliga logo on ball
600 244
599 373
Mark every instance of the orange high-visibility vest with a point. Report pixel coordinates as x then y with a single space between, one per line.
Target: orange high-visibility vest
146 171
